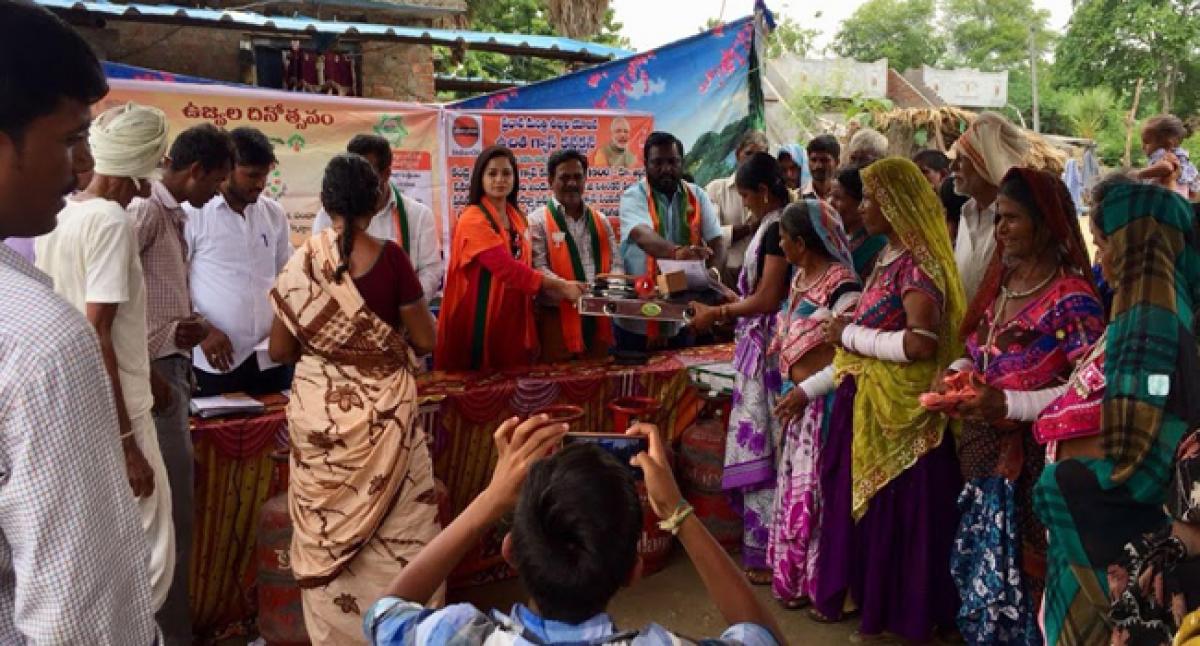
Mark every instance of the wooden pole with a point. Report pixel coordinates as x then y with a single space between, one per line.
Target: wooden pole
1127 160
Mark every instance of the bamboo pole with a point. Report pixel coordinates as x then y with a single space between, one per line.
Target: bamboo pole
1130 120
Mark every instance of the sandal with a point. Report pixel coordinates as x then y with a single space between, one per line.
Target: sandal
816 616
758 577
795 604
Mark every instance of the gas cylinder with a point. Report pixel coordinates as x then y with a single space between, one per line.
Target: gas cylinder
701 465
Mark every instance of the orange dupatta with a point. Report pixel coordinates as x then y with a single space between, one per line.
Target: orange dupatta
695 237
473 318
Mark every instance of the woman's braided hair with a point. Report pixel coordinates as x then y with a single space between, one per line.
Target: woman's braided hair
349 190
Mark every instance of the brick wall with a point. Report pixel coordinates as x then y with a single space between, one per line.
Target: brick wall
397 71
393 71
197 51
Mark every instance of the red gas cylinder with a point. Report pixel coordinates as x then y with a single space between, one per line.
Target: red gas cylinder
280 614
701 465
564 414
626 409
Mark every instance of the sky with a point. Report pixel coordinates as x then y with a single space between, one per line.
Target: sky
650 23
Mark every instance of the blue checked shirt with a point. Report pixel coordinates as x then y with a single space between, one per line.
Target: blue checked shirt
395 622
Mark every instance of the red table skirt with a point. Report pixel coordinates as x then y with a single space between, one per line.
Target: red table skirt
235 474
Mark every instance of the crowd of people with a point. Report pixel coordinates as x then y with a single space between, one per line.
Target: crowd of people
941 425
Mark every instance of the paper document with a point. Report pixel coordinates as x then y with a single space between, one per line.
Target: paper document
225 405
695 270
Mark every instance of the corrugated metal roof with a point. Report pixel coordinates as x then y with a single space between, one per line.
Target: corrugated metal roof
542 46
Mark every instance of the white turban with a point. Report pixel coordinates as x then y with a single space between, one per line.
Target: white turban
129 141
994 145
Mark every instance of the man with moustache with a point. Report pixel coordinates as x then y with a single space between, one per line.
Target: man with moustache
74 563
199 161
823 155
573 241
616 152
981 157
237 244
664 217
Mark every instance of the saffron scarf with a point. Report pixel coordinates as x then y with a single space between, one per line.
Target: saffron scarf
579 332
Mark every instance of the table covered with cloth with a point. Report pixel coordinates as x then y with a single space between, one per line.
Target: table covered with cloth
235 474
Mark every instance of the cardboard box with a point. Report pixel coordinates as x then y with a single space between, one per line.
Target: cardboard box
672 283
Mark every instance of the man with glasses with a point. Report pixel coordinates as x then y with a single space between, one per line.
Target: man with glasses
664 217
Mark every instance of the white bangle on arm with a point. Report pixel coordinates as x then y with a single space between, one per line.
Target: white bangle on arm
869 342
1027 405
962 365
818 384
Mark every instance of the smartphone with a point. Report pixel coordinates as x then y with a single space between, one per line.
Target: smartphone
622 447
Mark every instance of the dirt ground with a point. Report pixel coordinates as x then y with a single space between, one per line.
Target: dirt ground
675 598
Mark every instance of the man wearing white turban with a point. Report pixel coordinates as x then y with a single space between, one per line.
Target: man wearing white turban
93 258
983 154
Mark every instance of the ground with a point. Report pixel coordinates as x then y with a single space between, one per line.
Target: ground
676 599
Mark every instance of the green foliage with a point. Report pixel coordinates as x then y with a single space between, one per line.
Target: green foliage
1116 42
993 35
901 31
1090 111
790 38
516 17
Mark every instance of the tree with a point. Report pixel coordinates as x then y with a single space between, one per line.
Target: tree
1090 111
790 38
516 17
1116 42
901 31
993 35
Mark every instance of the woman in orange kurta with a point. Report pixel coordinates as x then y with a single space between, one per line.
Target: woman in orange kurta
487 318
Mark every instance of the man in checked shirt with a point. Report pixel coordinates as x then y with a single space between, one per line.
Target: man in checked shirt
74 562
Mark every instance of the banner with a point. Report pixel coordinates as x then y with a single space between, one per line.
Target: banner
307 130
611 141
703 89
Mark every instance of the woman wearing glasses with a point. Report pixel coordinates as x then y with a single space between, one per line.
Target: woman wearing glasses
487 317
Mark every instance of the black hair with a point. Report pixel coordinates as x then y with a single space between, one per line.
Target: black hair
797 224
1100 191
688 177
1167 126
252 147
1015 188
850 179
42 61
935 159
575 532
825 144
952 202
476 194
565 155
205 144
372 145
350 189
761 169
660 138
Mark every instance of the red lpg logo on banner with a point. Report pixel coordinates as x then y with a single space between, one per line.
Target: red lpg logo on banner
466 135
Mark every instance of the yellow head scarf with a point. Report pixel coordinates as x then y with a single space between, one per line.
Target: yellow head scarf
891 430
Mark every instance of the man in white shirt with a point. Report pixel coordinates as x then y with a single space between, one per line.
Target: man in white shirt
568 236
736 229
398 217
237 244
981 157
92 256
73 558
